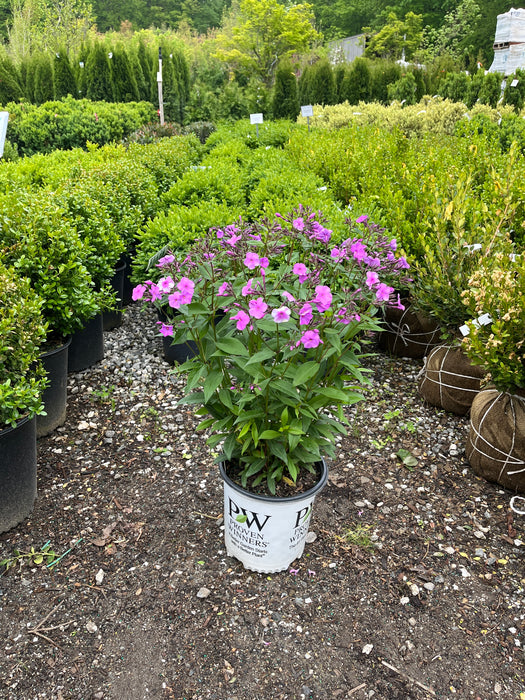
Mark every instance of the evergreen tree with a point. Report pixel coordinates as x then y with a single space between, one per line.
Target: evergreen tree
44 87
64 79
474 88
455 86
182 76
99 79
384 73
285 101
146 62
515 95
339 76
10 90
357 83
322 90
80 70
170 87
403 90
490 90
124 82
305 83
140 78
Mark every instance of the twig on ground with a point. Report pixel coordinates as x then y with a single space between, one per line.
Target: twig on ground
409 678
354 690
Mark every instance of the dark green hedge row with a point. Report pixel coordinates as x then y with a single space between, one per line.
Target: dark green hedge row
69 123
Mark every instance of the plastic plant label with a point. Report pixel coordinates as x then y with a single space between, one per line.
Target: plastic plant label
464 330
307 111
473 247
4 118
514 82
484 320
256 118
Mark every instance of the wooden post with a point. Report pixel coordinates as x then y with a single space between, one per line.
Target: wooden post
159 83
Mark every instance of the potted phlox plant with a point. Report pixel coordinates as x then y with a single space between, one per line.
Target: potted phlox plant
279 315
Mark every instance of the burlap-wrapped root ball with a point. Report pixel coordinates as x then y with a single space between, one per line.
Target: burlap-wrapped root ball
408 333
449 380
496 442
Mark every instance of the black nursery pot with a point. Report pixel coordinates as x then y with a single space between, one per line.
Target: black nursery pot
113 319
176 352
87 345
17 473
54 398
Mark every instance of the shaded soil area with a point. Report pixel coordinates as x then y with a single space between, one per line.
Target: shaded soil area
410 587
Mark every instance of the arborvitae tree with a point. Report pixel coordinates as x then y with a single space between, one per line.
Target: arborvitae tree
181 75
474 88
454 86
138 73
99 79
322 89
384 74
80 70
490 91
305 83
339 76
10 89
421 86
356 85
44 88
515 95
65 83
124 82
146 61
403 90
285 102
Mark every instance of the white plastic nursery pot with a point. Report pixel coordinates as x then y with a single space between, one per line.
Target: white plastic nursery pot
267 533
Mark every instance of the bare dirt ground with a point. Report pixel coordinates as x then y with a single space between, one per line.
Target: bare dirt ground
412 586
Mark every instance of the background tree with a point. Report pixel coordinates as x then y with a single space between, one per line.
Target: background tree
322 84
357 82
98 75
397 36
285 101
257 34
43 86
63 76
10 89
124 81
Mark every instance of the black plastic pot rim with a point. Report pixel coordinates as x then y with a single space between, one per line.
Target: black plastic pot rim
277 499
64 343
10 428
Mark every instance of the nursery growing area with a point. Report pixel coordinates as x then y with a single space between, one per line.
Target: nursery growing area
117 584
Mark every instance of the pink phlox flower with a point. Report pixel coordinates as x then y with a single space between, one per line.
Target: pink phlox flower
220 233
257 307
393 244
338 254
372 262
175 300
242 319
320 233
233 240
294 572
311 339
301 271
255 236
248 288
224 290
383 292
372 278
323 298
402 263
209 256
358 249
155 292
305 314
165 329
289 297
263 263
390 256
298 223
138 292
362 219
166 260
281 315
251 261
398 304
186 288
166 284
